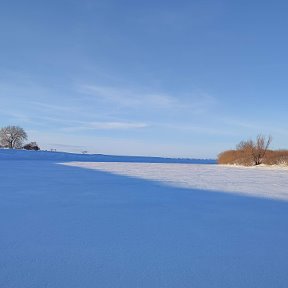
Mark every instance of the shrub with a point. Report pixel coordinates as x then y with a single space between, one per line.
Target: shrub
31 146
278 157
250 153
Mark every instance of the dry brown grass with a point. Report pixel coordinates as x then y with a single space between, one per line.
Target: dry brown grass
279 157
235 157
249 153
240 157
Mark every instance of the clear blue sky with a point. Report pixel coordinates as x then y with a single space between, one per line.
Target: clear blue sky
168 78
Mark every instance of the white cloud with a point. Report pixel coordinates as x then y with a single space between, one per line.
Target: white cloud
105 126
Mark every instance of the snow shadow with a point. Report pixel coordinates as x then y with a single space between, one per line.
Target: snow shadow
70 227
14 154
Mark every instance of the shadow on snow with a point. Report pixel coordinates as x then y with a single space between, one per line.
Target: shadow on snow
70 227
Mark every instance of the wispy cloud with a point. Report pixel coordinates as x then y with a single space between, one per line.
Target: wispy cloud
196 101
48 106
16 116
203 129
105 126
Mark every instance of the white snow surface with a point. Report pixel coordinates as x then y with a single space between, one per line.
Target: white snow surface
262 181
162 226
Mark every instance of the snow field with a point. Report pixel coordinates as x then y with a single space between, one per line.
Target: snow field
257 181
67 227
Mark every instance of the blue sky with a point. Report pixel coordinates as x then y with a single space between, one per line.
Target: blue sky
166 78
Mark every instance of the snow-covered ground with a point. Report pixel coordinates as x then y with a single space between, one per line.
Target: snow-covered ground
271 182
65 226
13 154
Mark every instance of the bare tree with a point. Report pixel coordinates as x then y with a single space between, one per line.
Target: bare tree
260 148
255 151
12 137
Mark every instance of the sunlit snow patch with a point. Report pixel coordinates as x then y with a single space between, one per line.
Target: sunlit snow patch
260 181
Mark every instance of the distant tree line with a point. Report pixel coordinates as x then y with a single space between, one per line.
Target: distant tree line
14 137
254 152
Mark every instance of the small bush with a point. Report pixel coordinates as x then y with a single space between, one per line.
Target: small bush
31 146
